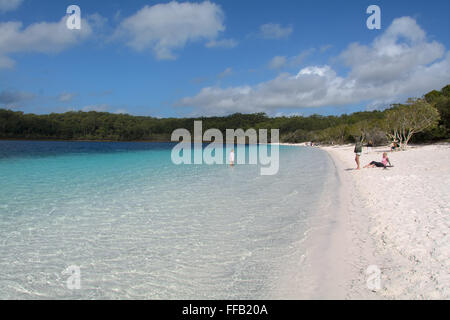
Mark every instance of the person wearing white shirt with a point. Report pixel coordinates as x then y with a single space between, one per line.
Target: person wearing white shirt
232 157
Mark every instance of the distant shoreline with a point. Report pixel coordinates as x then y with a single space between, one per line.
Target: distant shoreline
74 140
127 141
299 144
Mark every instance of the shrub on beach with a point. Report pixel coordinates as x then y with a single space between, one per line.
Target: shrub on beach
404 121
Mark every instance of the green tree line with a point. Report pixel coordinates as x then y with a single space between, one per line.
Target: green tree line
418 120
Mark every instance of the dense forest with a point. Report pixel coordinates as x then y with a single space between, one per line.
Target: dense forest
418 120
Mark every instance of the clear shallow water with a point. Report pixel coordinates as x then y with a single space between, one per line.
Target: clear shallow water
140 227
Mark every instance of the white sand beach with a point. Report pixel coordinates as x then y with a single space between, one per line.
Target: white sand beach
396 219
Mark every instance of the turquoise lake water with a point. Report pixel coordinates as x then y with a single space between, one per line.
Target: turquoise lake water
140 227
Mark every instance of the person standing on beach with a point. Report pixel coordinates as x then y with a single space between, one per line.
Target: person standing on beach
358 151
232 157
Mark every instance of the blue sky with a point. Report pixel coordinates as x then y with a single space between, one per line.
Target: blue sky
165 59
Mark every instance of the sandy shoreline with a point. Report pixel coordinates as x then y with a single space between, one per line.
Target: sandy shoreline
397 220
394 221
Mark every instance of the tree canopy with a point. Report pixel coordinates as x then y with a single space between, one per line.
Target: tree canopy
424 119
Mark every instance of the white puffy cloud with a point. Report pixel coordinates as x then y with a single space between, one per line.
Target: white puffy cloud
43 37
166 27
305 90
9 5
275 31
399 63
394 55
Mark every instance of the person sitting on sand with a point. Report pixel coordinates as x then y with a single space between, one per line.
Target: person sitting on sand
395 145
382 164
